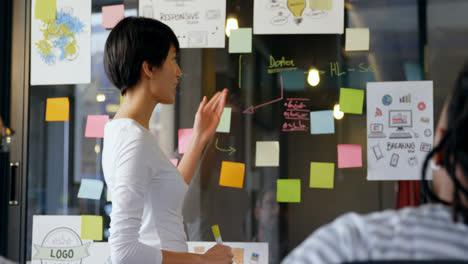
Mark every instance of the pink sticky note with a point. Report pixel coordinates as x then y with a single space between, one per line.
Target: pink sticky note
111 15
349 156
174 161
185 135
95 126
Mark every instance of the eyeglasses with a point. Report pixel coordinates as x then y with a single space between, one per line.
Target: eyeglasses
6 138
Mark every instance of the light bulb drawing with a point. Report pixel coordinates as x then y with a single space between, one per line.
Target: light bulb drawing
313 77
297 7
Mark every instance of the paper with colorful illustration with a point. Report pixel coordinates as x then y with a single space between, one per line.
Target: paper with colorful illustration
243 252
400 129
196 23
61 44
298 16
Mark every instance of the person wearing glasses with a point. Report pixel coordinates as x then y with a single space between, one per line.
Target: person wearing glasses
140 59
434 231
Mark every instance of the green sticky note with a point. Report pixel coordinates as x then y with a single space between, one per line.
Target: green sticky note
45 9
91 227
288 191
121 100
321 4
224 125
351 100
240 40
322 175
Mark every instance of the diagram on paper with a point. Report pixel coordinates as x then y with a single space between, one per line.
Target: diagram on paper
399 129
196 23
298 16
61 45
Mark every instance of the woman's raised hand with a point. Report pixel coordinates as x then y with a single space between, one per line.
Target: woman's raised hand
218 254
208 116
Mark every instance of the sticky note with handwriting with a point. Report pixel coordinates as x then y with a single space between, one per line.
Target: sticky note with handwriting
111 15
351 100
90 189
240 40
224 125
357 39
185 135
267 154
91 227
232 174
322 175
322 122
349 156
45 10
288 191
95 126
321 5
57 109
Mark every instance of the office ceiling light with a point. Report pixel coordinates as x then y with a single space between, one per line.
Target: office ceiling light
337 113
231 23
313 77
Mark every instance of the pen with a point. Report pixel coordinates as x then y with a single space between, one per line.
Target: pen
217 234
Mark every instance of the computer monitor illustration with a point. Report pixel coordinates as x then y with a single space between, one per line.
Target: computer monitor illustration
400 119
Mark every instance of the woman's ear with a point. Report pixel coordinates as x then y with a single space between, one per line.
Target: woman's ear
147 70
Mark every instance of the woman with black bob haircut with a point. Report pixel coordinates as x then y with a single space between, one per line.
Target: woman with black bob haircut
434 231
147 190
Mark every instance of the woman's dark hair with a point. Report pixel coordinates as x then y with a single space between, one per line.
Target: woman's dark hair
132 41
454 146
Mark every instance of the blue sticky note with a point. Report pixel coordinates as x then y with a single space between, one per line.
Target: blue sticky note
294 80
240 40
90 189
322 122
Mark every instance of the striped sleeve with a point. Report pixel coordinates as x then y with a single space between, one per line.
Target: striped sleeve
337 242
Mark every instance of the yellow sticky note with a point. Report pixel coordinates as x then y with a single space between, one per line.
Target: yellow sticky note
357 39
45 9
91 227
322 175
267 154
57 109
232 174
224 125
321 4
121 100
288 191
351 100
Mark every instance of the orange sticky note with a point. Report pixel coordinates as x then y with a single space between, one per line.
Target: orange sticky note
95 126
232 174
57 109
111 15
349 156
185 135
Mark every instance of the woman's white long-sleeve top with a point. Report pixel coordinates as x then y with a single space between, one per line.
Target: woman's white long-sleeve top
147 195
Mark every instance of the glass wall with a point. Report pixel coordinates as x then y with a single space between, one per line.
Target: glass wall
404 46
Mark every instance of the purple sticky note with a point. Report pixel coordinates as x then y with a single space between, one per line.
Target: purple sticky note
349 156
174 161
95 126
111 15
185 135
